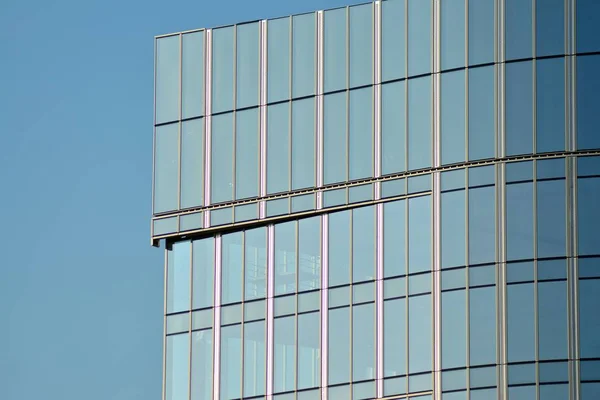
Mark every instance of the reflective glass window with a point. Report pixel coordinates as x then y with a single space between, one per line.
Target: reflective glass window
278 59
248 64
419 121
453 117
393 127
192 163
309 253
177 367
520 322
394 337
285 258
178 277
551 219
231 278
309 353
419 334
167 79
453 228
361 45
254 359
192 75
518 21
393 40
334 49
481 111
481 31
519 108
588 102
203 253
519 221
452 33
521 392
334 138
363 244
482 225
166 168
363 342
231 362
589 323
550 105
588 215
255 264
588 26
419 37
419 234
554 392
394 238
303 54
552 320
202 365
549 27
222 69
360 133
221 158
482 326
278 147
247 150
339 248
454 335
590 391
303 143
339 346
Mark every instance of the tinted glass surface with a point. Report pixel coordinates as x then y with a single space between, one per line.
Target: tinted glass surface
167 79
393 39
453 117
519 108
192 75
588 102
481 112
393 127
278 59
550 105
452 33
481 31
246 153
361 45
419 37
248 64
303 55
222 69
419 122
334 49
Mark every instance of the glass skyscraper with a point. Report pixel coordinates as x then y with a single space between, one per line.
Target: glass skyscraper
398 199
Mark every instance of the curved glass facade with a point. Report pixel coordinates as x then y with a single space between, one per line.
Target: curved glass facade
390 200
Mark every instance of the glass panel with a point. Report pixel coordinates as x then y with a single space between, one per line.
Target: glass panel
552 168
420 183
588 87
550 103
588 215
419 234
519 171
485 275
310 301
247 151
549 26
203 272
418 284
192 75
482 225
255 264
177 368
394 337
394 386
552 320
521 373
309 353
339 248
363 342
222 69
419 37
334 138
339 296
481 110
309 254
278 148
394 238
453 228
589 323
178 278
248 64
339 345
221 158
453 279
519 221
588 25
554 392
482 325
303 55
452 33
192 163
555 371
285 258
453 179
254 310
303 143
231 268
454 380
278 59
481 31
393 125
588 166
520 322
360 133
519 272
361 45
518 20
254 359
178 323
482 377
202 365
551 226
393 40
166 168
480 176
303 203
164 225
419 120
453 116
334 49
231 362
285 305
167 79
363 293
519 108
231 314
454 331
363 244
419 334
521 393
484 394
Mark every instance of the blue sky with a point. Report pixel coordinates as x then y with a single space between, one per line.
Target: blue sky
81 289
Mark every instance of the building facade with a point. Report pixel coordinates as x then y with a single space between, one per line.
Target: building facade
398 199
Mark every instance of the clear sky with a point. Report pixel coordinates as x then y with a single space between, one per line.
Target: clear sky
81 298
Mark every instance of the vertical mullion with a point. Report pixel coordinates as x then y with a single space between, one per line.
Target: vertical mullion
190 320
379 300
436 289
467 289
164 352
324 304
319 105
270 305
377 95
217 319
501 282
207 123
536 330
263 116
